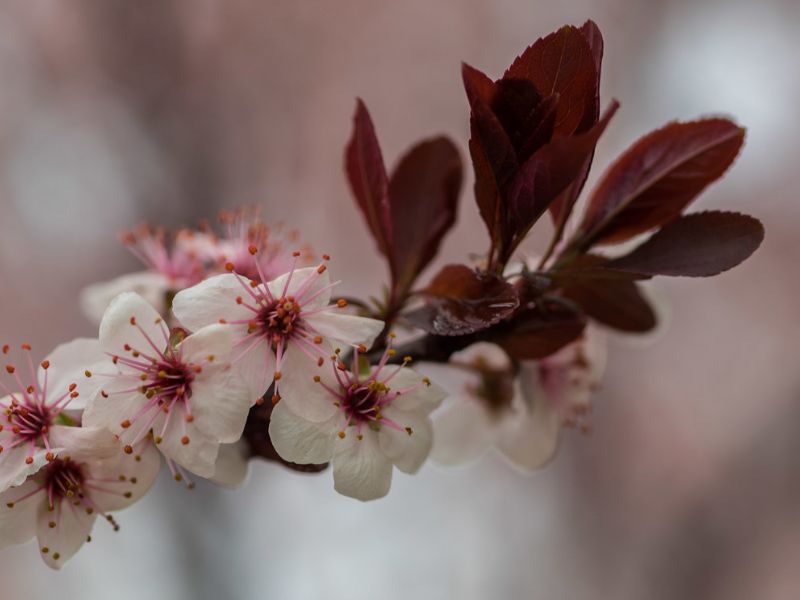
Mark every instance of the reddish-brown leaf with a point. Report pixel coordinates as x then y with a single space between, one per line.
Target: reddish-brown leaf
548 172
655 179
460 301
536 334
697 245
561 63
423 195
367 176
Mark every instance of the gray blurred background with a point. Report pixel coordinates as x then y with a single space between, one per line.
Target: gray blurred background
115 112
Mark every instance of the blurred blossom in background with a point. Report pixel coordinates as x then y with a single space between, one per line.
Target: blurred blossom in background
113 113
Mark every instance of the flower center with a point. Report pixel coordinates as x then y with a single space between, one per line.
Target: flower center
29 422
364 403
278 319
63 478
169 380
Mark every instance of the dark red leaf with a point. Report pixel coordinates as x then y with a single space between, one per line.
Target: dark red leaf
548 172
423 195
697 245
536 334
608 297
657 177
594 38
561 63
460 301
367 175
493 156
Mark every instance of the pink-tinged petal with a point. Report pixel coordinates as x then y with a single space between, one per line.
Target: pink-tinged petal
212 344
199 456
531 439
111 408
407 448
255 362
349 330
130 320
421 395
298 440
360 468
84 443
310 282
220 402
69 363
232 468
463 432
150 285
18 518
305 397
14 469
211 300
117 483
62 531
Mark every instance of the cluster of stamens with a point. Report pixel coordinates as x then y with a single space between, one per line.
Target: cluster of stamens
362 400
160 253
31 410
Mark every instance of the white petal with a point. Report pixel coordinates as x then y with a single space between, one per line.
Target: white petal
152 286
73 525
213 343
69 364
360 468
198 456
255 362
462 432
313 283
346 329
14 469
126 478
82 443
298 440
305 397
532 439
18 522
232 466
220 402
422 394
116 329
211 300
409 448
118 406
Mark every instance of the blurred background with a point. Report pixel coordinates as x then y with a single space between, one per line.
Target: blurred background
115 112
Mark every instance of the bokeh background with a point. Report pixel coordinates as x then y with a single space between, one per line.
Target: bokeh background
117 112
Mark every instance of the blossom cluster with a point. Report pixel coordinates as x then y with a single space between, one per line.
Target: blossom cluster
230 346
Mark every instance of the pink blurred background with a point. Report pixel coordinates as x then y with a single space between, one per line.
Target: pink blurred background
113 113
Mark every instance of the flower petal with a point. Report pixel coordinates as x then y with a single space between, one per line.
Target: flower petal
421 393
151 285
346 329
213 344
14 469
198 456
298 440
118 329
72 526
408 448
312 283
116 406
305 397
220 402
232 466
463 432
85 443
532 439
211 300
126 478
70 363
18 519
360 468
255 362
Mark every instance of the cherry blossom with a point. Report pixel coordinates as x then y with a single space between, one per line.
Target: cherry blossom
365 423
284 327
38 407
187 393
59 502
521 414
